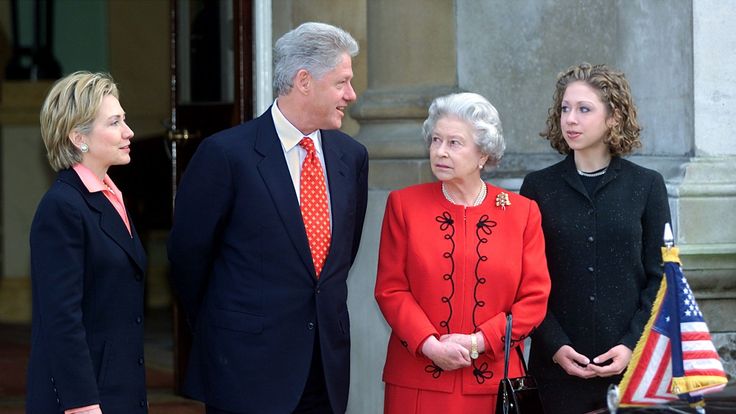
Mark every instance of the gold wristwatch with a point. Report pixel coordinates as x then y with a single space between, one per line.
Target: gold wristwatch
473 346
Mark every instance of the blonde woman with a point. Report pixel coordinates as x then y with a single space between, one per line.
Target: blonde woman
87 262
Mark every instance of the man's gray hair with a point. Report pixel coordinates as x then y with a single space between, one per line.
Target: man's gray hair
478 113
316 47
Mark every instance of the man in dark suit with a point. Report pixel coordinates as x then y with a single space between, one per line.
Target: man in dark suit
267 223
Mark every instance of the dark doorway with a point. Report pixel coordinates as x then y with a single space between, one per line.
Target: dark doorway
211 89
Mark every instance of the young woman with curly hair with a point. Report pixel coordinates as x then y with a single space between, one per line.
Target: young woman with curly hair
603 218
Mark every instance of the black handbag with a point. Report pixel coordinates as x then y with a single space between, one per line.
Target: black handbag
517 395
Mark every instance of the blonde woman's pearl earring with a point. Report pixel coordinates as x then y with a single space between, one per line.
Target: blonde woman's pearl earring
84 147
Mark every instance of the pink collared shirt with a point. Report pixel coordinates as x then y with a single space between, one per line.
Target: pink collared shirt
108 188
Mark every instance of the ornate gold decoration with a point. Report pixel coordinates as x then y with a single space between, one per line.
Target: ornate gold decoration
502 200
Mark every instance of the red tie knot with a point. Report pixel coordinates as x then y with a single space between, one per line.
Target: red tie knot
307 144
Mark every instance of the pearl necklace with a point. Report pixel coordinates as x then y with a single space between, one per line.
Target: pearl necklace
478 199
593 173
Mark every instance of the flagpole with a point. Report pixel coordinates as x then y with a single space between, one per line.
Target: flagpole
669 238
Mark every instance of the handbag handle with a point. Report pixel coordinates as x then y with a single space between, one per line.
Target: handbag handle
507 348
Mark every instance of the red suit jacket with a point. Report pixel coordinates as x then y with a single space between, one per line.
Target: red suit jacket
445 268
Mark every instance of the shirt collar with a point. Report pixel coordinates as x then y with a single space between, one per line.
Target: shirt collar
288 134
92 182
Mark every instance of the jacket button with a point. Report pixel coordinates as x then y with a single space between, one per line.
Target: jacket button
591 269
310 325
591 239
138 320
317 291
52 380
143 403
592 298
140 361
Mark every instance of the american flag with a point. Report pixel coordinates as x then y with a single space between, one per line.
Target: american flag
675 357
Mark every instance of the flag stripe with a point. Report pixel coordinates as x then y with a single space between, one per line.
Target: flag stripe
706 372
693 327
661 383
649 379
703 365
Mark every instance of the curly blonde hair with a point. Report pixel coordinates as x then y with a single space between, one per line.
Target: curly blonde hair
614 91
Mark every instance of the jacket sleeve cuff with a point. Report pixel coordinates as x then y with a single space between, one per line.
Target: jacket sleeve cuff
92 409
629 341
493 330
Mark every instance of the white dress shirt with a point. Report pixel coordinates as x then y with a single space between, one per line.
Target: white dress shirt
289 136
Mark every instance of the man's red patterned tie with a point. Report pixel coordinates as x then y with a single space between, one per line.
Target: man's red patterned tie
313 203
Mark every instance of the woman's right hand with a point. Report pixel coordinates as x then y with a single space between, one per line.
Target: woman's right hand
573 363
446 355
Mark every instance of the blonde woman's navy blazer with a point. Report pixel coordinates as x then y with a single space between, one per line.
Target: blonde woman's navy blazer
87 276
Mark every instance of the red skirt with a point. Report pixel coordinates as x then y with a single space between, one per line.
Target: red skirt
403 400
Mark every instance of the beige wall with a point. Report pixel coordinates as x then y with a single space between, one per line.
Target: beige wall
24 175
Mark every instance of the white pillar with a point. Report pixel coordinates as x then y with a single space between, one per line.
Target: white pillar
263 67
704 199
714 77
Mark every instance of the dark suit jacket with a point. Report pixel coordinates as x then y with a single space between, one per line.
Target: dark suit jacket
603 254
87 278
243 271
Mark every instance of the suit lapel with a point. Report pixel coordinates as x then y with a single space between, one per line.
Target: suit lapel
570 174
275 174
137 247
110 222
610 175
339 195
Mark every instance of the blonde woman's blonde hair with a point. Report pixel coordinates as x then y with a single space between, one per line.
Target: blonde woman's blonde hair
71 106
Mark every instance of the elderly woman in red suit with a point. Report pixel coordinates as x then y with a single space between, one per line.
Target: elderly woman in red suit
457 256
87 262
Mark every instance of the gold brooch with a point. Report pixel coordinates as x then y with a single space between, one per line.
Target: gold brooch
502 200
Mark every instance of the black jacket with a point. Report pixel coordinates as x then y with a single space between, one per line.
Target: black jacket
603 254
87 274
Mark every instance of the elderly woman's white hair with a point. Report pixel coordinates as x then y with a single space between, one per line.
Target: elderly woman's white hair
478 113
316 47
